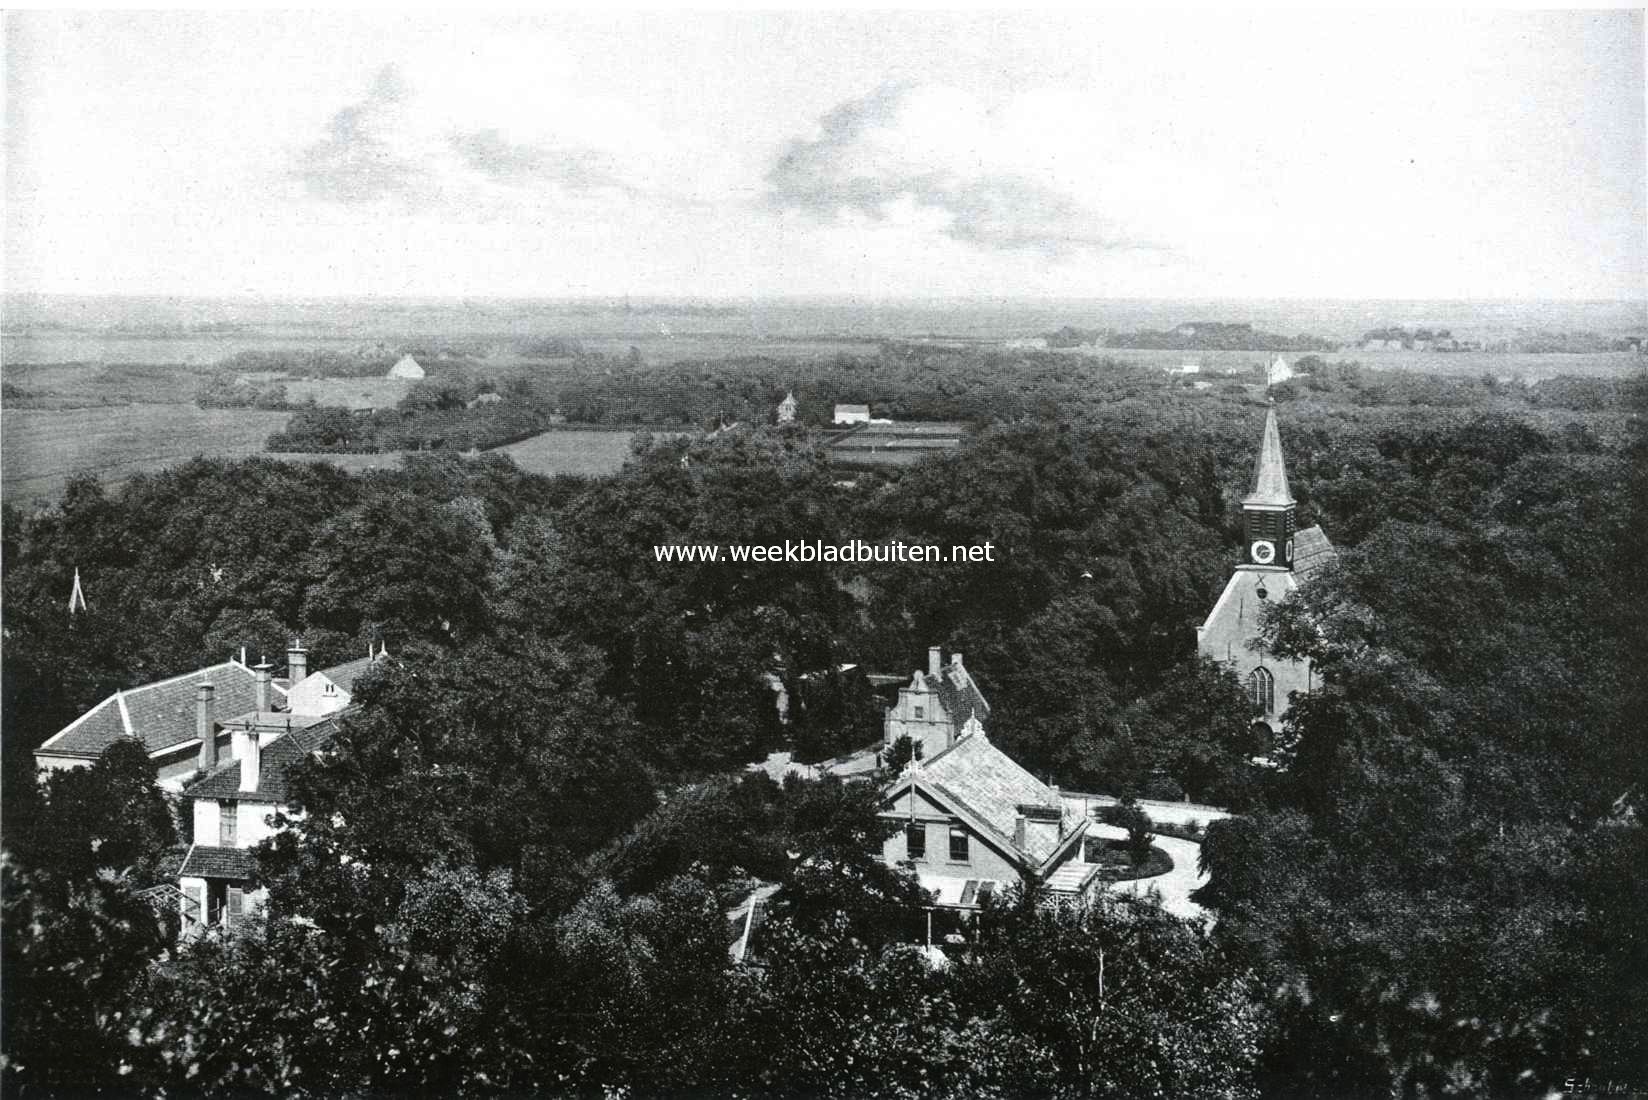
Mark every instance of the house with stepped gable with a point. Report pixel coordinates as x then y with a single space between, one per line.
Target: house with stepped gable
971 820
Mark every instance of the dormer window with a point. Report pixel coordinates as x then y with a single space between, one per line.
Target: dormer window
920 710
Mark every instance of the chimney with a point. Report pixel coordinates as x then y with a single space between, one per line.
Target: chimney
251 759
955 660
265 682
205 727
297 662
935 661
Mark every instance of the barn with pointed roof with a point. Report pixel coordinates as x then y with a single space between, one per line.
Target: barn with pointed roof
407 369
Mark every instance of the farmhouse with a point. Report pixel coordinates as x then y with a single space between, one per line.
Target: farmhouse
1276 559
787 408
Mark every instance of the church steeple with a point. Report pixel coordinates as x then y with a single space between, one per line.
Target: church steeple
1268 510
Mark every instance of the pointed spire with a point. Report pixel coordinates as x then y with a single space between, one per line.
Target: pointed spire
1270 485
77 598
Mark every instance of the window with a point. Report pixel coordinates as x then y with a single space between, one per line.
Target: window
915 841
1261 688
920 711
958 844
228 815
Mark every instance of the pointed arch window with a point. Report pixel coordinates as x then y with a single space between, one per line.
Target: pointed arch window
1261 689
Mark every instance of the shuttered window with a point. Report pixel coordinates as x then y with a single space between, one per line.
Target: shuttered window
228 824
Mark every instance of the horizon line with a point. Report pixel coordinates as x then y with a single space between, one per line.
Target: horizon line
758 298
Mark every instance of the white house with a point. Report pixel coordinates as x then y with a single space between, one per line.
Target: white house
1278 372
232 809
852 414
786 409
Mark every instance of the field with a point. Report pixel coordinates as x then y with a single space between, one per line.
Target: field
41 448
348 393
571 452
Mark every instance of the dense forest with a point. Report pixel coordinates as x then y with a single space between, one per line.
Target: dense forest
514 866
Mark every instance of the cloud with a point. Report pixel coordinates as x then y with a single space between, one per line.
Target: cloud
523 164
940 151
357 161
390 147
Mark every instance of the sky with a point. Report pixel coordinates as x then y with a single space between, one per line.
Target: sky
1205 154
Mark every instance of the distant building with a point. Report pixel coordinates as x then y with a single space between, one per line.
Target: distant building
852 414
1027 343
786 409
485 399
407 369
1275 560
1188 366
1278 372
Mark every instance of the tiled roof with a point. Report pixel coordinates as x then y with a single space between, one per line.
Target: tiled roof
161 715
344 675
959 695
993 786
276 761
1311 550
206 861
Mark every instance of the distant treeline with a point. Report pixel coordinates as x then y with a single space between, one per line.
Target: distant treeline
1530 343
1192 336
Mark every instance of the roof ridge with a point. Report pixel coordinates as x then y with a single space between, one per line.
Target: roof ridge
185 675
125 715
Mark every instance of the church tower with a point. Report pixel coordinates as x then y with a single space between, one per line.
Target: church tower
1268 520
1276 557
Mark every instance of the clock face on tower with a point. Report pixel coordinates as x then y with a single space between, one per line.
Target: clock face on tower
1263 551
